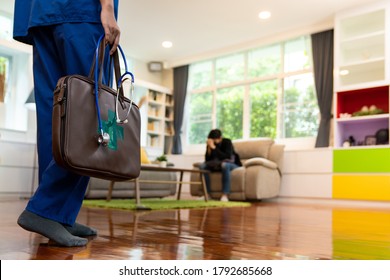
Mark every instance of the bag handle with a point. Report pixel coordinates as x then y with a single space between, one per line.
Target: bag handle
100 51
103 137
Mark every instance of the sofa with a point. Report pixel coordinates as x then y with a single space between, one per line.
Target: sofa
98 188
258 178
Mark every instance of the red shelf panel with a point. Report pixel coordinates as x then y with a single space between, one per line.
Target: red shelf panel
353 100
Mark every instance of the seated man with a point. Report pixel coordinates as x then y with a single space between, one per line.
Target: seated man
220 157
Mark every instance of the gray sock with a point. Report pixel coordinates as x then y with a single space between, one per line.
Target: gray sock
50 229
81 230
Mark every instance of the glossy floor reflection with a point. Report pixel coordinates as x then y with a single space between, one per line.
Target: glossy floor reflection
266 230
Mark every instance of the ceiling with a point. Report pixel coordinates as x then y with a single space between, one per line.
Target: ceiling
199 27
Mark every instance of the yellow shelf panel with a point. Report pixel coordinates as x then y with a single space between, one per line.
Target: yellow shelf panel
362 187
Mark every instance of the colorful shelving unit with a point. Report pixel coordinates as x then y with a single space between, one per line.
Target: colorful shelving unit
361 169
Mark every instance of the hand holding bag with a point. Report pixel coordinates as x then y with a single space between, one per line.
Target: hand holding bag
96 129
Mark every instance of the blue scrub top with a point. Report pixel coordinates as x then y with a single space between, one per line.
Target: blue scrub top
32 13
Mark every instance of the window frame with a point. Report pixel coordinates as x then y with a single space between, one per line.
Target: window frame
247 82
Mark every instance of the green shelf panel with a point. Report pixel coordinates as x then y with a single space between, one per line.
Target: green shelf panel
376 160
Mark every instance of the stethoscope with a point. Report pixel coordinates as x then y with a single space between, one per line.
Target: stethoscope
104 137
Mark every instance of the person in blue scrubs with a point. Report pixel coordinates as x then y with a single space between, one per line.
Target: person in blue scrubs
64 34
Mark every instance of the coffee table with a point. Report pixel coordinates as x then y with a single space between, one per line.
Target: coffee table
155 168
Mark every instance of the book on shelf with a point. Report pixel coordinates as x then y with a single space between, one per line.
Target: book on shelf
153 141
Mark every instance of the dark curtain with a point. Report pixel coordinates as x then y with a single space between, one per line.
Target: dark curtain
180 80
322 47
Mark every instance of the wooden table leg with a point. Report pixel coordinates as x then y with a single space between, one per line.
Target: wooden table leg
138 205
204 187
110 189
137 194
180 185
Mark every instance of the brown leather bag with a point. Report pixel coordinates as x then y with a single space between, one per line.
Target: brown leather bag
97 138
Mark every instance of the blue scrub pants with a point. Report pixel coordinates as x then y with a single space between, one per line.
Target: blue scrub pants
58 50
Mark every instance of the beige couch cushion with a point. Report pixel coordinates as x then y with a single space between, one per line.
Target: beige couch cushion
257 147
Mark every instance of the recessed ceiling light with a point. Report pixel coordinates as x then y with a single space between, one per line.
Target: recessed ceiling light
264 14
344 72
167 44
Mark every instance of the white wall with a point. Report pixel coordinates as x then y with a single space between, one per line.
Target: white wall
307 173
17 166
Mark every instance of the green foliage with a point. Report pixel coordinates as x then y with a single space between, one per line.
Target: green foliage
263 97
230 111
200 117
273 111
230 69
368 113
162 158
200 74
3 65
199 132
265 61
300 113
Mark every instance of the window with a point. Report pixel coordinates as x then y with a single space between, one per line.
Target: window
264 61
263 109
296 54
230 111
200 74
200 115
263 92
230 69
4 76
300 109
5 27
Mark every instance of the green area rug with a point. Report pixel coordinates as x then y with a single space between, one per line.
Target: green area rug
161 204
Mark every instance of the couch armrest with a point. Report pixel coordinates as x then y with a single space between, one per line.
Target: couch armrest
260 161
276 155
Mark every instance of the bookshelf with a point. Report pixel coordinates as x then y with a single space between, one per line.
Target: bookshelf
156 117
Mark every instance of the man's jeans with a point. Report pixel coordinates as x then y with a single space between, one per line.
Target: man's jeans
226 167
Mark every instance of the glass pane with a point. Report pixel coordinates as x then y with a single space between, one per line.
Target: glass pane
200 117
5 27
230 111
230 69
263 109
264 62
4 74
300 108
297 55
200 75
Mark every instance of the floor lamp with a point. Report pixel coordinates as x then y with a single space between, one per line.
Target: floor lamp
30 105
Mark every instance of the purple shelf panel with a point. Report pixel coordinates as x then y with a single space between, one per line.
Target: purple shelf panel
360 129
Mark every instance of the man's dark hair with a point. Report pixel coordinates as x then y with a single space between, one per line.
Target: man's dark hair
215 134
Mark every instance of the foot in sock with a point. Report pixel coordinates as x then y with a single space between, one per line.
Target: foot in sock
81 230
50 229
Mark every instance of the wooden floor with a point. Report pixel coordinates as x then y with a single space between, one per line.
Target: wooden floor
266 230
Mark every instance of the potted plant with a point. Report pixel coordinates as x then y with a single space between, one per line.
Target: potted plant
162 160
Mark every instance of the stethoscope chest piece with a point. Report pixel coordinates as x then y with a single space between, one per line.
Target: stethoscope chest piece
104 139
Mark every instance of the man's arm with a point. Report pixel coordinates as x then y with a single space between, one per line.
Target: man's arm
111 28
223 151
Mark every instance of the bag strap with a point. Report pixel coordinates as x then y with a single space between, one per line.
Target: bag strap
97 67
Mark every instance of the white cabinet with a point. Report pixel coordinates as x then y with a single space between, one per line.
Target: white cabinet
360 47
362 72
